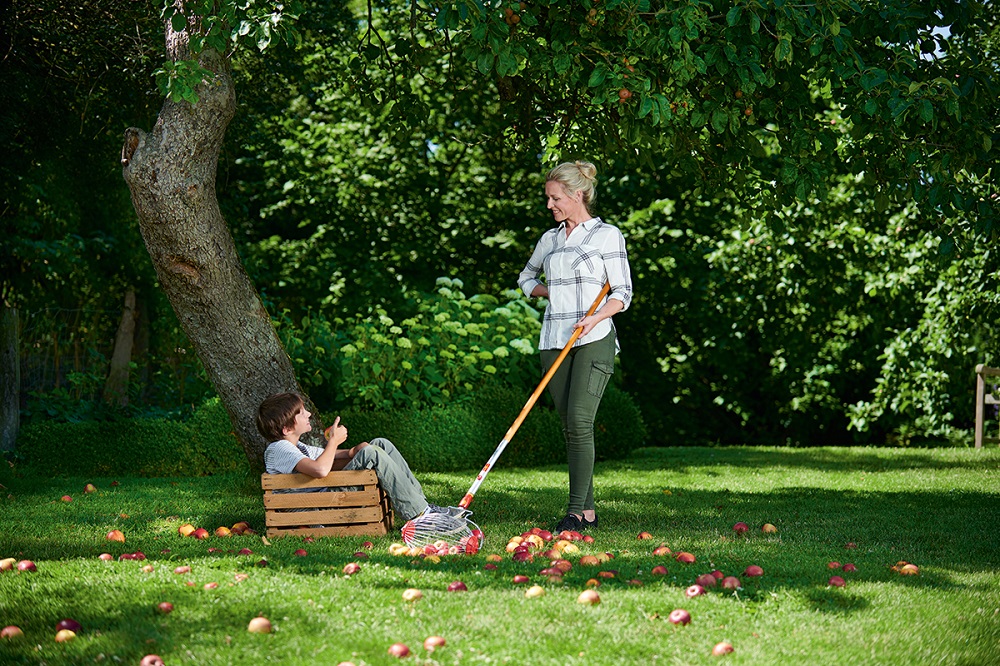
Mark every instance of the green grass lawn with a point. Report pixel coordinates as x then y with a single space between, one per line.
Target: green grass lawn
937 508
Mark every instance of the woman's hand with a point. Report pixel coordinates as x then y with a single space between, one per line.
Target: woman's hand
587 324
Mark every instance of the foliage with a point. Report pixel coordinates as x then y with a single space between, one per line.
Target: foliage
202 445
936 508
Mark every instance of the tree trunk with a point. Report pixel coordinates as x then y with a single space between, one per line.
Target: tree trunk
10 379
171 174
116 385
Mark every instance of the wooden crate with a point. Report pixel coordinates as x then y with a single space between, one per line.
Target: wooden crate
983 398
330 512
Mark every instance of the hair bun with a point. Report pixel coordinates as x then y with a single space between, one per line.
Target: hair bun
587 169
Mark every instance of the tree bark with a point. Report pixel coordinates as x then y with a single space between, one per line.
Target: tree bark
171 174
10 379
116 385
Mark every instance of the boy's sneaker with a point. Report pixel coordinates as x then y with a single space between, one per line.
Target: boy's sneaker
569 522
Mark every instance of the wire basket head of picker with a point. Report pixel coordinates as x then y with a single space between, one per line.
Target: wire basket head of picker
447 531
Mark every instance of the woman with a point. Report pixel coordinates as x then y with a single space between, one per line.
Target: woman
578 257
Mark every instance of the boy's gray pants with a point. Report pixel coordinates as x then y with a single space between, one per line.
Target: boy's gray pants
394 474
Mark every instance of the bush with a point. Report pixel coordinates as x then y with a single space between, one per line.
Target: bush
139 447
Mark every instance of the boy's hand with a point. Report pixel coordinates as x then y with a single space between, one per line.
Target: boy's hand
336 434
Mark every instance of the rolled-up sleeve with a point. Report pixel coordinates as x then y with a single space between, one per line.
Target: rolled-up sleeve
616 265
528 279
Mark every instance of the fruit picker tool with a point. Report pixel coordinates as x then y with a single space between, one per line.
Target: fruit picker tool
452 531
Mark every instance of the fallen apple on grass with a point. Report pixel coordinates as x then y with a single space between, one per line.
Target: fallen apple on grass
89 488
151 660
11 631
489 566
721 649
741 528
223 532
833 565
351 568
399 650
27 566
661 551
147 568
766 528
643 536
7 564
731 583
412 594
115 535
457 586
165 607
849 567
589 597
107 557
210 586
259 625
534 591
432 643
706 580
66 498
694 591
659 570
186 530
679 616
201 533
685 558
837 581
718 575
65 635
244 551
182 570
520 579
300 553
69 623
753 570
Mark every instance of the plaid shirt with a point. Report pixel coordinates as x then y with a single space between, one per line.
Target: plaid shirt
576 269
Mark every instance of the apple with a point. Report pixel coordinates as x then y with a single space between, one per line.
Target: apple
589 597
837 581
182 570
240 577
679 616
833 565
522 556
545 535
301 552
7 564
741 528
694 591
89 488
849 567
660 551
367 545
564 566
520 579
685 558
722 648
606 574
69 623
115 535
107 557
210 586
731 583
766 528
659 570
399 650
905 570
706 580
66 498
593 582
165 607
457 586
850 544
534 591
201 533
635 582
351 568
186 529
26 565
223 532
12 631
151 660
244 551
148 568
64 636
587 538
644 536
412 594
489 566
432 643
493 557
239 528
259 625
753 570
718 575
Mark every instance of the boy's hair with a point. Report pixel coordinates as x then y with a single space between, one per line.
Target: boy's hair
276 413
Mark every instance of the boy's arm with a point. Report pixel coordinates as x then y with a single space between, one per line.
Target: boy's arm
321 466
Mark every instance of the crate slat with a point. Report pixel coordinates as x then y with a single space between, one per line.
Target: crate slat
366 497
362 477
330 517
364 529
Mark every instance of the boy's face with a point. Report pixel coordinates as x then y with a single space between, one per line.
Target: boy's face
301 424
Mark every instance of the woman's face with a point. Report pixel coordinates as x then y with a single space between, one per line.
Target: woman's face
564 205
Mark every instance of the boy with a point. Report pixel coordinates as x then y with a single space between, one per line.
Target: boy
283 418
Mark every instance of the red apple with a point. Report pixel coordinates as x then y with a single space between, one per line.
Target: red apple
210 586
147 568
259 625
107 557
457 586
837 581
833 565
367 545
64 636
151 660
587 538
182 570
766 528
753 570
244 551
351 568
694 591
519 579
262 563
659 570
660 551
239 528
589 597
66 498
731 583
69 623
89 488
849 567
300 552
185 530
522 556
240 577
679 616
165 607
201 533
706 580
685 558
412 594
644 536
7 564
223 532
722 648
489 566
12 631
718 575
432 643
115 535
741 528
26 565
399 650
905 570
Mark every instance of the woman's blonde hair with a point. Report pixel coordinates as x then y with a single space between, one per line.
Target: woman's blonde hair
576 177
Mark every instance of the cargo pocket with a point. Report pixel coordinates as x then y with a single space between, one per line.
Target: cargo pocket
600 373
